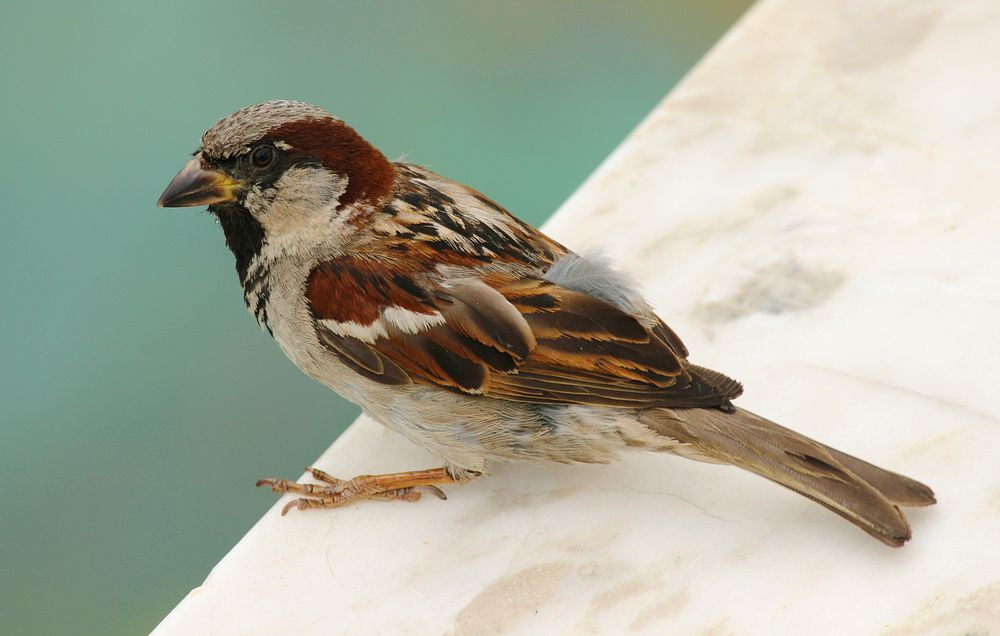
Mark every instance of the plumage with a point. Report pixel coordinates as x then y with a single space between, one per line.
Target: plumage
470 332
495 341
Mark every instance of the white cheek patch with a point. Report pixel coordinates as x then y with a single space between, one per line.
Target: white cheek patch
399 319
299 209
305 189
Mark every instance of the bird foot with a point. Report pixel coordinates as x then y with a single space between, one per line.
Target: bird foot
333 492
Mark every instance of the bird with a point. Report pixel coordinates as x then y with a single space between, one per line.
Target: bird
471 333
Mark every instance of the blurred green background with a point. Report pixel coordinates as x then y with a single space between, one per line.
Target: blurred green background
132 425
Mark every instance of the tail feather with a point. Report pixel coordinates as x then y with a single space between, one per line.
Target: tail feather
864 494
898 489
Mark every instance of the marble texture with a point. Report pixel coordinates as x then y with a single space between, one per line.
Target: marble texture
815 210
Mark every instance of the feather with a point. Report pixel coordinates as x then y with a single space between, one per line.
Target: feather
484 315
362 358
863 494
508 335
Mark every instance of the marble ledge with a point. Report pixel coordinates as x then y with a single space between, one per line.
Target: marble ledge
814 210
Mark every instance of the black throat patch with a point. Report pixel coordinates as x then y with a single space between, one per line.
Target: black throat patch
244 235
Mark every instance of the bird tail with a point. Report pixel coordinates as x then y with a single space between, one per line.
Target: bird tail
864 494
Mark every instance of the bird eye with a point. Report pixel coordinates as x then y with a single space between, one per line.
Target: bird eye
262 156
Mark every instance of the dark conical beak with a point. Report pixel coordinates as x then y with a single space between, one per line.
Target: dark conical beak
197 184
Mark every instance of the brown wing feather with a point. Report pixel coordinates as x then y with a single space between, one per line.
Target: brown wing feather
662 331
426 358
482 314
363 358
529 340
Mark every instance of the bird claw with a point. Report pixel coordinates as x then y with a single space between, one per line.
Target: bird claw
334 492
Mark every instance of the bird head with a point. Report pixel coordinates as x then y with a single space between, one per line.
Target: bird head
278 170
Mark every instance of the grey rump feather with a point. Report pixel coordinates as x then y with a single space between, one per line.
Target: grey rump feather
594 274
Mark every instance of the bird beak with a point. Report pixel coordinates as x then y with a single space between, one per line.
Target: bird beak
197 184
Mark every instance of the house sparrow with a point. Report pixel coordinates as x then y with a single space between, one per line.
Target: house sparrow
470 332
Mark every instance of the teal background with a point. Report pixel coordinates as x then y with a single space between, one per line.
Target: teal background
138 399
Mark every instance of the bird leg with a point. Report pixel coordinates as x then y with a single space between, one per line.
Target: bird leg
333 492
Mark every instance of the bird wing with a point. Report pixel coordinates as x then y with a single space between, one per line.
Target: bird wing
507 336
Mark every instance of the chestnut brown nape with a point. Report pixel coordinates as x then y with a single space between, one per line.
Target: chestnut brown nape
340 149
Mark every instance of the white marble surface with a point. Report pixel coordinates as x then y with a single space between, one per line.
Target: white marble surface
815 210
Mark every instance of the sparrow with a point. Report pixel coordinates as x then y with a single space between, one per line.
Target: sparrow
470 332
